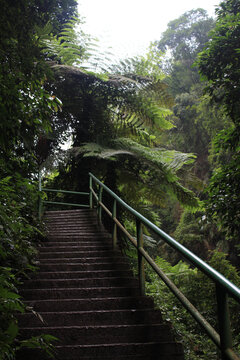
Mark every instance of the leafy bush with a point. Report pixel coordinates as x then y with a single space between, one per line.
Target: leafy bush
19 236
200 291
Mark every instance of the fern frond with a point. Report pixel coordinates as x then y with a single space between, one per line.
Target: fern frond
161 178
146 111
70 47
184 195
155 190
96 150
176 159
191 180
167 159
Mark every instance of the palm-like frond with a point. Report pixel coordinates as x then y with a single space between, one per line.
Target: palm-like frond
96 150
160 178
168 159
70 47
145 101
138 111
132 101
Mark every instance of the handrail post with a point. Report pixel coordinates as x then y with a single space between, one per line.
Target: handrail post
90 192
99 206
39 196
114 231
223 320
141 272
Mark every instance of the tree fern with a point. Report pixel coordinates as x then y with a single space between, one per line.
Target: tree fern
160 178
103 106
135 102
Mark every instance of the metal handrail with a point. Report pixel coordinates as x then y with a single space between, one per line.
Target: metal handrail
42 201
66 191
224 287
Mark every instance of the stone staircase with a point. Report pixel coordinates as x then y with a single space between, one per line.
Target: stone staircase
88 298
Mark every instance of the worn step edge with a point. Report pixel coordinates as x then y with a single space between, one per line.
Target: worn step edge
90 243
82 274
85 266
81 247
65 293
94 317
87 252
29 354
160 350
83 257
106 303
79 237
106 334
81 283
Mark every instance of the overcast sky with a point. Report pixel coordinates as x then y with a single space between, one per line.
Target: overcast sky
128 26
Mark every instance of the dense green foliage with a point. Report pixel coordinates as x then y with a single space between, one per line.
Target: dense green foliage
115 122
220 65
206 115
200 291
25 108
206 124
138 125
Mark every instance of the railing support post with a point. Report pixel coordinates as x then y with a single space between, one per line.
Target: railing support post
141 272
40 204
90 193
223 320
99 206
114 231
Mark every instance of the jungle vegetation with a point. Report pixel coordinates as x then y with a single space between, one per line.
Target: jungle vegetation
161 130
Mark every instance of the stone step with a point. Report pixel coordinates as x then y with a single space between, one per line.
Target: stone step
84 266
159 350
84 212
79 240
78 237
72 220
105 334
83 274
68 232
136 357
86 233
73 227
85 295
106 303
78 254
39 355
58 247
94 317
67 216
75 222
80 283
76 293
83 260
153 350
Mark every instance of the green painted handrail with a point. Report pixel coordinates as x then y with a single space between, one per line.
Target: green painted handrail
66 191
194 259
42 201
224 287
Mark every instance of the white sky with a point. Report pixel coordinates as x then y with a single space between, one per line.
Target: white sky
128 26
